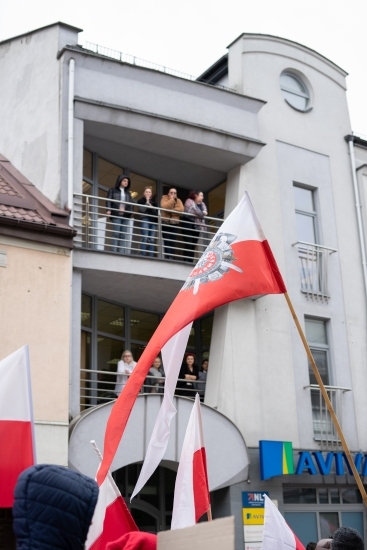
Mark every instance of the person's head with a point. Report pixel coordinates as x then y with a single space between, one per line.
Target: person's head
204 366
148 193
190 359
127 356
157 363
123 182
311 546
196 196
346 538
53 507
172 193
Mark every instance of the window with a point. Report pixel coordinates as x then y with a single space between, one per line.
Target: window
322 510
295 91
316 334
304 201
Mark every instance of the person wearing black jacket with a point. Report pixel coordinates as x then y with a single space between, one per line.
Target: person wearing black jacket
120 213
148 222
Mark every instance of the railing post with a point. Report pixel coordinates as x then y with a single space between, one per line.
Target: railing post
87 222
160 236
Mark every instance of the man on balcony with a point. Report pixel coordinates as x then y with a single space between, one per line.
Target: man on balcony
170 222
120 214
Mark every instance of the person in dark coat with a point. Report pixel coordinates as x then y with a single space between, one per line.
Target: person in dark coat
53 508
120 213
189 373
148 222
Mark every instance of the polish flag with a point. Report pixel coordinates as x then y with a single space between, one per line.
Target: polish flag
16 422
238 263
112 518
277 533
191 499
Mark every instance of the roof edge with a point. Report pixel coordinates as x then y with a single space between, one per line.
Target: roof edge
282 39
60 23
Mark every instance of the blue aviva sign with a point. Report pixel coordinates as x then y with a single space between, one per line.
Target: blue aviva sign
276 458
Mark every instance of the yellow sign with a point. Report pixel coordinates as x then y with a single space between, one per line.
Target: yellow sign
253 516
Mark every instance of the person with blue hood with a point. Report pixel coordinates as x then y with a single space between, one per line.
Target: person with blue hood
53 508
120 212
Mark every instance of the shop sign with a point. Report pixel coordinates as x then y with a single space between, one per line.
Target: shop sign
276 458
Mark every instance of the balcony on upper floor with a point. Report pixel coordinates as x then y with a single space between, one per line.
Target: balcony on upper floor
313 269
148 235
323 427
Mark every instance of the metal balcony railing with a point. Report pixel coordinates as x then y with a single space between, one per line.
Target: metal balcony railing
323 427
142 234
313 264
98 387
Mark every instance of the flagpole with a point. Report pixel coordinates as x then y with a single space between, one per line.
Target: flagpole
209 513
327 401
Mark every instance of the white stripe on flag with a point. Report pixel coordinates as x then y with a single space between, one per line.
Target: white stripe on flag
172 355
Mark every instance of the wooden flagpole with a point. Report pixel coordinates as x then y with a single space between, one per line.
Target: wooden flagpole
328 402
209 513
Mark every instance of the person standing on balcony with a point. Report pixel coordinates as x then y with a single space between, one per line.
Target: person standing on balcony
170 221
120 213
194 224
124 368
201 383
188 374
148 222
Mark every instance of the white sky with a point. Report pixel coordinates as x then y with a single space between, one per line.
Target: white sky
190 35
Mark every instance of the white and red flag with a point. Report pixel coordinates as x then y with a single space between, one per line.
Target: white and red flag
191 499
16 422
237 263
112 518
277 533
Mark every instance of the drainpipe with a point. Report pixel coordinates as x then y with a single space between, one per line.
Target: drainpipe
350 140
71 139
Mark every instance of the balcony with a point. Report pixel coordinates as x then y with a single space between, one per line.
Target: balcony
149 238
313 268
323 427
98 387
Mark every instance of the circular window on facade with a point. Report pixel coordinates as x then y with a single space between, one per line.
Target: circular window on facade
295 91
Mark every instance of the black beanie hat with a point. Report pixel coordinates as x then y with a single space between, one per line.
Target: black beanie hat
346 538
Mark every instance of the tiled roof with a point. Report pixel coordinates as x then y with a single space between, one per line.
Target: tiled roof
24 207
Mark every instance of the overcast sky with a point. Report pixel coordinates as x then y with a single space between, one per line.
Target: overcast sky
190 35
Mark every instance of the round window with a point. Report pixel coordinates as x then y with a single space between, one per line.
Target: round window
294 91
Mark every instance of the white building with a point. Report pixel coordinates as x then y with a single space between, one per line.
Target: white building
271 118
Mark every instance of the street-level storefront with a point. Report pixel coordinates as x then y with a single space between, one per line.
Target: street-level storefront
314 490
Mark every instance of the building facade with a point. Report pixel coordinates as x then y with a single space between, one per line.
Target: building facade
270 117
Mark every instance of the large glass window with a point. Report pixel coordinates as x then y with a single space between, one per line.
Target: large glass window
108 173
217 200
328 509
109 328
87 164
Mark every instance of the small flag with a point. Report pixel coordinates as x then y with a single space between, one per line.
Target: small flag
191 498
277 533
112 518
16 422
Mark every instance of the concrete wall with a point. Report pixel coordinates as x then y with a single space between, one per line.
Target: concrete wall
35 310
30 105
257 377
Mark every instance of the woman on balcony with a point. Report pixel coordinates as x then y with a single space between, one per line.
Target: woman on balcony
120 214
193 224
125 367
170 222
188 374
148 224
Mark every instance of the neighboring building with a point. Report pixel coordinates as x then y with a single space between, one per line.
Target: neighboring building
270 117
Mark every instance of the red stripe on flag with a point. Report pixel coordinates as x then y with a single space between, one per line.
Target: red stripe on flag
15 456
117 522
299 545
259 276
201 485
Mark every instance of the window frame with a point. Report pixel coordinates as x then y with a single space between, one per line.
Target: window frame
306 94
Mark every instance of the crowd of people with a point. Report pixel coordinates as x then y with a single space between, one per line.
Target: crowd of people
182 224
191 380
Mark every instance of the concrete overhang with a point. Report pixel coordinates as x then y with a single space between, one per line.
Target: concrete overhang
149 284
172 150
227 463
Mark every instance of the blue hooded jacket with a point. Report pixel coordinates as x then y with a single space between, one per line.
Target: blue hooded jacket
53 508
